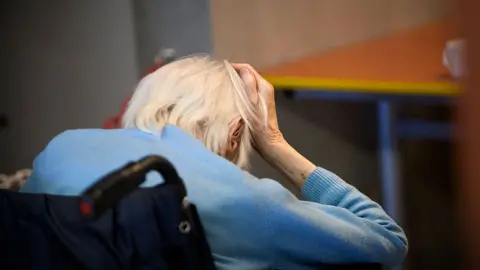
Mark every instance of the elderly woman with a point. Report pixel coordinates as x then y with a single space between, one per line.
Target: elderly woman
206 117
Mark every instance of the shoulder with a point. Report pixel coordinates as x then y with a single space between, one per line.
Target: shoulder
84 147
73 159
92 140
68 136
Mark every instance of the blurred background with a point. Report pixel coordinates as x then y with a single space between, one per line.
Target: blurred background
71 64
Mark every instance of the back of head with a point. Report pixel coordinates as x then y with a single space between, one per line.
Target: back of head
201 96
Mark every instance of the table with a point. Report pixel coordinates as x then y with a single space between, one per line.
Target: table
402 67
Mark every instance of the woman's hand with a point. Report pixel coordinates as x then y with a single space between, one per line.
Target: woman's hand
266 134
269 141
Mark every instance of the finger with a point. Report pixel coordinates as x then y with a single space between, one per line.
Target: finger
261 82
239 66
248 78
250 84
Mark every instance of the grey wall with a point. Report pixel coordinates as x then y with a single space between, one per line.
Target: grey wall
180 24
68 64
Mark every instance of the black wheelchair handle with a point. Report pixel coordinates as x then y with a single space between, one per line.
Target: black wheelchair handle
111 188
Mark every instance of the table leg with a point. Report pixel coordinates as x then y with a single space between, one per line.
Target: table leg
391 188
389 164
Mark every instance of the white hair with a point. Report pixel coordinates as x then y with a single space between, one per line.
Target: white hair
201 96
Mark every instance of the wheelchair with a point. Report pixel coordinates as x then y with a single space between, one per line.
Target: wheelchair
113 225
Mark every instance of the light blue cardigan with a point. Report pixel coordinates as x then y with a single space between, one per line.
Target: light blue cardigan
250 223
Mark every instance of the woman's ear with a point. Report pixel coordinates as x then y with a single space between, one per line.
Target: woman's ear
236 130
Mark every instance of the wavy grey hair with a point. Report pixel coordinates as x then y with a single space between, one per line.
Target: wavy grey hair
201 96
